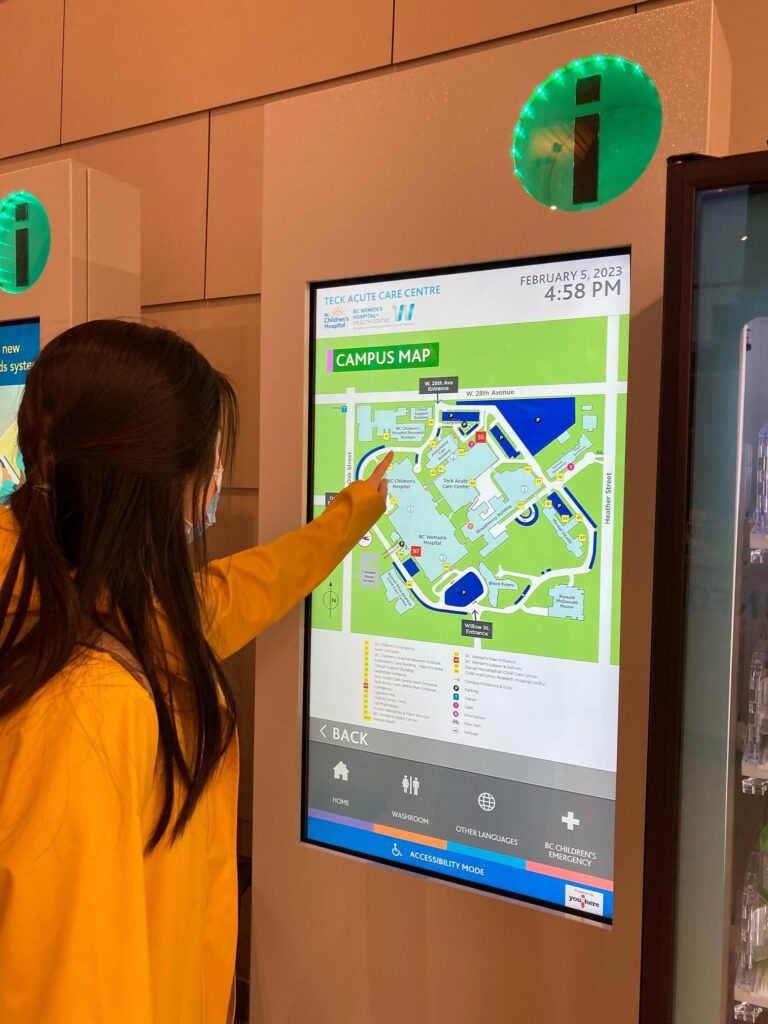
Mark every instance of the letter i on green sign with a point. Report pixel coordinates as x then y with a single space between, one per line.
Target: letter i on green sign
25 241
587 133
586 143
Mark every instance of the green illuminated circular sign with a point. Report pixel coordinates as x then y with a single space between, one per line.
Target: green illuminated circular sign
587 133
25 241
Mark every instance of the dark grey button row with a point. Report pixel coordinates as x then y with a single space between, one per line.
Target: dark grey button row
566 830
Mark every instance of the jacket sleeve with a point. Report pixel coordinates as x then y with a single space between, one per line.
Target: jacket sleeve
245 593
74 785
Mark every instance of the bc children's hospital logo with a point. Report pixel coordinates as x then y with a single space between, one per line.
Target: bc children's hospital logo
335 319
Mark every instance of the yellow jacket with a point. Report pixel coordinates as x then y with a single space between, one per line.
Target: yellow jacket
92 931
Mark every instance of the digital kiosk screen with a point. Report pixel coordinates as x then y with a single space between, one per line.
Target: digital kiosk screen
462 664
19 347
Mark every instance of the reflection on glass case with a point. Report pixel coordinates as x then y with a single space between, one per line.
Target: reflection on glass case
705 958
750 673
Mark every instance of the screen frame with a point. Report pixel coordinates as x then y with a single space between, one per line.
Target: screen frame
22 321
313 288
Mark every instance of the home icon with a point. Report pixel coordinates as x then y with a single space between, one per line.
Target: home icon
341 772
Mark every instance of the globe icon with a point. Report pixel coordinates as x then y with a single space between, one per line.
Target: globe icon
487 801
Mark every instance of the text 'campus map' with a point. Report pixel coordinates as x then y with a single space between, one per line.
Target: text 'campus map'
482 612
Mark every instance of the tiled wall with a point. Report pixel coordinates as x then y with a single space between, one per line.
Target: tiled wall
170 96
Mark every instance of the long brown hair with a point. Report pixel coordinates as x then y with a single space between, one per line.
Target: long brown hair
118 421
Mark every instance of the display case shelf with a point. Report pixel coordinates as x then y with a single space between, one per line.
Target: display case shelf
754 779
758 998
750 1013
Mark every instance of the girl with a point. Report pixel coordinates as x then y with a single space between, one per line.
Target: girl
118 750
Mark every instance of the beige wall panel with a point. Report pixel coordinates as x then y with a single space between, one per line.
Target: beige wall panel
241 671
745 23
30 117
169 163
235 187
431 26
236 528
720 90
114 247
227 333
358 197
132 63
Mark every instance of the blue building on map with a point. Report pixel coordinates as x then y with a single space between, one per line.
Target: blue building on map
536 421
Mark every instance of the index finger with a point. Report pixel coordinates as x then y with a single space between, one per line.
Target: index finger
377 475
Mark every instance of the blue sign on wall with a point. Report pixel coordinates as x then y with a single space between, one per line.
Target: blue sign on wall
19 347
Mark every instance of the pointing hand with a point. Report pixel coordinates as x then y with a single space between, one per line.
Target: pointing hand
377 477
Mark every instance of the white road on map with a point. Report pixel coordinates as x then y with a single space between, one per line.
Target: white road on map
484 394
349 469
609 469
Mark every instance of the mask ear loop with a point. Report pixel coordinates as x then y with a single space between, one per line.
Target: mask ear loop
44 464
213 504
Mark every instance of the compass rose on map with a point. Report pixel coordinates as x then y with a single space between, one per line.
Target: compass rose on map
330 599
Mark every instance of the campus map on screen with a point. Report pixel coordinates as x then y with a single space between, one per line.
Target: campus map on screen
463 662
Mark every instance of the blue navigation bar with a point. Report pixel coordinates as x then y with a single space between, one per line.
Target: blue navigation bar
496 871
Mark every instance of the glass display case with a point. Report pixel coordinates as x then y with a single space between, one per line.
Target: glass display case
705 957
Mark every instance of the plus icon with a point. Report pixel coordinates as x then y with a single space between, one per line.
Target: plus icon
570 820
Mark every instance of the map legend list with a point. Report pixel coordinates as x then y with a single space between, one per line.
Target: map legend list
456 694
366 707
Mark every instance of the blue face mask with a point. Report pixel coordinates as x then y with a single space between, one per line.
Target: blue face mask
194 530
